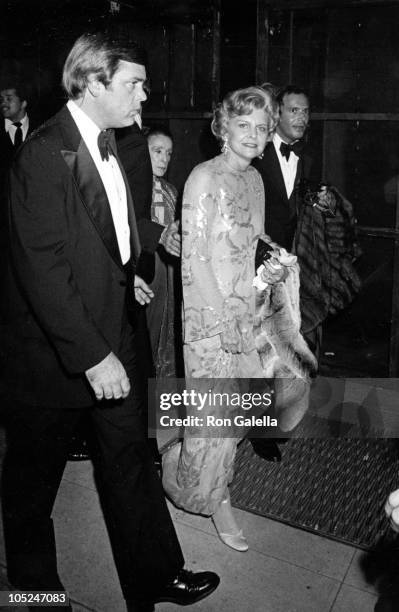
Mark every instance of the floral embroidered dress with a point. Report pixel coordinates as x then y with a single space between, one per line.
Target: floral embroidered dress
222 220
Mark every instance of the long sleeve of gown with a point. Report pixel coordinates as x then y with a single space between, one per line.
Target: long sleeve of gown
202 299
213 255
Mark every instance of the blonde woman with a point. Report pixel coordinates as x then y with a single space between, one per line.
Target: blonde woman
222 221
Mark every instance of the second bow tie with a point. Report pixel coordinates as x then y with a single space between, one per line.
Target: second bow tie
106 144
286 149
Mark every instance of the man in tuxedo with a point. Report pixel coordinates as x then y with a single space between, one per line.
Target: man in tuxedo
282 166
14 128
72 346
135 158
17 124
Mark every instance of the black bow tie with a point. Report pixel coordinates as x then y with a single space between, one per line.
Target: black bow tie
285 149
106 144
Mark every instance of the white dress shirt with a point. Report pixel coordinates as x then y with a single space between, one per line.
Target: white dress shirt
288 166
10 128
111 177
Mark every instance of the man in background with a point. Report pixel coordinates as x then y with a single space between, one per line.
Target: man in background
313 221
13 105
15 126
282 166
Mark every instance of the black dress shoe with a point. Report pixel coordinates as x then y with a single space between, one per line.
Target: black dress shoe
188 587
266 448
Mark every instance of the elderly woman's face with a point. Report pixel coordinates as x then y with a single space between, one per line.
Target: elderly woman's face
161 148
247 135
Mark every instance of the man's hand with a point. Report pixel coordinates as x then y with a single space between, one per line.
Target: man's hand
171 239
108 379
142 292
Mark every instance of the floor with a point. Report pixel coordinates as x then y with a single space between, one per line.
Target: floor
285 570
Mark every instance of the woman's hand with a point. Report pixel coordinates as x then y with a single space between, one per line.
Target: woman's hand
171 239
273 272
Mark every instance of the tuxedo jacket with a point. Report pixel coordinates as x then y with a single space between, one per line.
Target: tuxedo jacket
67 285
7 149
135 158
281 212
7 153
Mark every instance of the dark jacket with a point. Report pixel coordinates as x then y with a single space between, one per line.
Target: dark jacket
135 158
281 212
67 285
7 153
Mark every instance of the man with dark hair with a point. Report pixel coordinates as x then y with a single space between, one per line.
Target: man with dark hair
16 126
282 168
13 131
73 347
316 223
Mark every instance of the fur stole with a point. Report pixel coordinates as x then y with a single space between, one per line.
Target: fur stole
284 354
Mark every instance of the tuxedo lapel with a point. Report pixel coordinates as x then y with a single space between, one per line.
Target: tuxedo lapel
89 184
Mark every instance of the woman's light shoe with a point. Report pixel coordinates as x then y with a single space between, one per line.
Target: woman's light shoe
227 528
236 540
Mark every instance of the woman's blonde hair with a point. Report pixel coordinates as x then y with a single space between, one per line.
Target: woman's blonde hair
242 102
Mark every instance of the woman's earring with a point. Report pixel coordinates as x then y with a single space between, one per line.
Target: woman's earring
225 146
260 156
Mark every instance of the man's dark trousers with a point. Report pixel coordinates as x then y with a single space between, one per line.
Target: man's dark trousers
130 491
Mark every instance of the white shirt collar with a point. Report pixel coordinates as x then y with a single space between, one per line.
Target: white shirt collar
288 166
277 140
111 177
88 129
8 123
